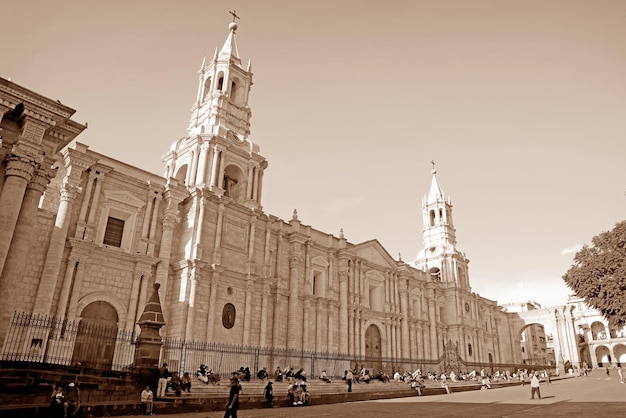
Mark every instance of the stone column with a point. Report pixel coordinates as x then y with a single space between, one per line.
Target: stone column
202 163
351 332
259 187
217 251
54 256
200 203
264 306
215 279
77 286
194 277
247 310
419 341
17 259
220 178
249 183
91 219
404 308
72 265
319 325
330 341
306 324
170 217
75 165
255 190
388 339
276 325
21 165
81 230
343 306
153 225
294 331
146 219
214 166
432 318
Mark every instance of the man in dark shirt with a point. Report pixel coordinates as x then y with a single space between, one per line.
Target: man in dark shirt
72 400
233 398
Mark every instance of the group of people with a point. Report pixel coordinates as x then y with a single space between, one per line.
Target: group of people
172 381
298 393
206 375
65 402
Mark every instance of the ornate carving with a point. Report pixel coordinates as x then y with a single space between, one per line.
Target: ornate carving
295 260
20 166
40 180
228 316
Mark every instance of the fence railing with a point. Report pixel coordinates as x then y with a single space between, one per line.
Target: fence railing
43 339
224 359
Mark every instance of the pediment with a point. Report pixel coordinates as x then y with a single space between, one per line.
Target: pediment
375 253
124 197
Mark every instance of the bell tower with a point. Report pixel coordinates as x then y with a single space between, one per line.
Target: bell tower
217 153
440 256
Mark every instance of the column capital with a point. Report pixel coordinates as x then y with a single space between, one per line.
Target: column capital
69 192
295 260
40 179
21 165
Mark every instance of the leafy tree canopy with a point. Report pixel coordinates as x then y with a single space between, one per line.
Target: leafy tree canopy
598 274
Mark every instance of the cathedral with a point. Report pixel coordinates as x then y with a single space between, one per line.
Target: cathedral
84 237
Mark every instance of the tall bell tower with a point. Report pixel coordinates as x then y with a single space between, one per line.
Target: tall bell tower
440 256
217 153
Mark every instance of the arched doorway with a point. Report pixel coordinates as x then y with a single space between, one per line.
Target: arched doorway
620 354
373 349
603 356
585 356
95 336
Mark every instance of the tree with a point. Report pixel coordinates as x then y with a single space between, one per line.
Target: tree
598 274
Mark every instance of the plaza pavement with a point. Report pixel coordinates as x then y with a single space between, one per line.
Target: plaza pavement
593 396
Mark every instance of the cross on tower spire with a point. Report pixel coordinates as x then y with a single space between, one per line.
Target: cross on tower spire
234 13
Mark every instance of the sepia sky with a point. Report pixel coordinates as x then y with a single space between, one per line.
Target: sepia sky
521 104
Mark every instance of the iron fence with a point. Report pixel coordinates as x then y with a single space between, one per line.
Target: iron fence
42 339
224 359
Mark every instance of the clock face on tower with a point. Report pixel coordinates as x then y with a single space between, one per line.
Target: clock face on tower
466 307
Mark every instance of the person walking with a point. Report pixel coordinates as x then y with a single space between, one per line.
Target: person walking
349 377
534 386
233 398
146 401
269 394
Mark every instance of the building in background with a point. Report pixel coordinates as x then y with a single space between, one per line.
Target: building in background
534 341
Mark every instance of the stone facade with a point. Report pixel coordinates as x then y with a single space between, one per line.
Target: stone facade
105 232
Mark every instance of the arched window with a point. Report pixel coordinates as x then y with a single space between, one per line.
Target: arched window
435 274
432 218
207 89
220 83
469 349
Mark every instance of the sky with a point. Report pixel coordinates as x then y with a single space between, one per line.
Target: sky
521 104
